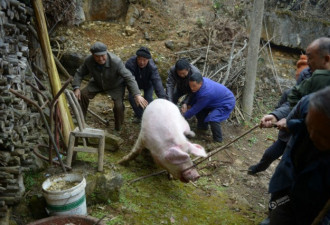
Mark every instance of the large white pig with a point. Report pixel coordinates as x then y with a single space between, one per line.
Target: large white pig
163 132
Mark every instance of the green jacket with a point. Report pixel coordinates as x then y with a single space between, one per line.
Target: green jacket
110 78
319 80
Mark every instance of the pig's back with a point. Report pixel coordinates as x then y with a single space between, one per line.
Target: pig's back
162 121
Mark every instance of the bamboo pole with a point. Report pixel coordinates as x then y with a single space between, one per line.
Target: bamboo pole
51 68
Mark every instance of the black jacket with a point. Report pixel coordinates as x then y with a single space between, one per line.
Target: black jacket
175 81
147 77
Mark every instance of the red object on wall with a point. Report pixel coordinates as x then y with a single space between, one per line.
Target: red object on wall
301 64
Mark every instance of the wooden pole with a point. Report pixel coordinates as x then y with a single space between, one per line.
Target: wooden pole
252 58
51 68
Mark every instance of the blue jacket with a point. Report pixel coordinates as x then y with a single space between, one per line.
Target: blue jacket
214 96
303 171
147 77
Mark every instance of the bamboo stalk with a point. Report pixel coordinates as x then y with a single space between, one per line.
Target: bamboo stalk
51 68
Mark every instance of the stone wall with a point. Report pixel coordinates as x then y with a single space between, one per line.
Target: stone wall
105 10
19 124
294 23
293 31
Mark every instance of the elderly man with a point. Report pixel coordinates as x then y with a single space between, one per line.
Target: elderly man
318 53
211 102
147 77
300 186
177 83
109 75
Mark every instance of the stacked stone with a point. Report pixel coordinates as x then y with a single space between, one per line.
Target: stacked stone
19 123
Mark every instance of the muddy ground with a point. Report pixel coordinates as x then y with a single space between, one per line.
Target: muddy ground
224 194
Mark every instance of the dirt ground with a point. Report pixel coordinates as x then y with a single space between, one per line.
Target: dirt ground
224 194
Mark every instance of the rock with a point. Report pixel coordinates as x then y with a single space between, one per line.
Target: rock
146 36
302 31
72 61
132 15
105 10
103 187
112 142
169 44
129 31
79 13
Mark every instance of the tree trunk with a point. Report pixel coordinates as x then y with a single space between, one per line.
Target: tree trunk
252 58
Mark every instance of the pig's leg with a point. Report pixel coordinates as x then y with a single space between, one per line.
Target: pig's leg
187 132
138 147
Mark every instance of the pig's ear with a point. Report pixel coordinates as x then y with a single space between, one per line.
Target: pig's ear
176 156
197 150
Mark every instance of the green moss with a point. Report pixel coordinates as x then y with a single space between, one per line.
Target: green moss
157 200
31 179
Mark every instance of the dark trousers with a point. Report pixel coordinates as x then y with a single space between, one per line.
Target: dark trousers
138 110
215 126
118 108
271 154
281 210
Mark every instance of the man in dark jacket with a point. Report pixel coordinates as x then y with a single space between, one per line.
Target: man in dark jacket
318 53
147 77
211 102
300 186
108 75
281 111
177 83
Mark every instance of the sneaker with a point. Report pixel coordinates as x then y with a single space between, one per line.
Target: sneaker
253 170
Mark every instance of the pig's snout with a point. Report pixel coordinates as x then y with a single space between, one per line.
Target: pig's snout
189 175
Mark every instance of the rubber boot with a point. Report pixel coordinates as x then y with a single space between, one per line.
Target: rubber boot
118 112
216 131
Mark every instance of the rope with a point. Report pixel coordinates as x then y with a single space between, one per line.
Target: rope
210 154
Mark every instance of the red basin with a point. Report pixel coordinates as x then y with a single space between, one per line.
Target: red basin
68 219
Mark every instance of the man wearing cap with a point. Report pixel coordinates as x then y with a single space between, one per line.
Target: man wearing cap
147 77
177 83
108 75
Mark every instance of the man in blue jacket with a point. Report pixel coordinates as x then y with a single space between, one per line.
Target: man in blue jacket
300 186
211 102
147 77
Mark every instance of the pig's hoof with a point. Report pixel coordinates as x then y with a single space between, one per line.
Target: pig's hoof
170 176
189 134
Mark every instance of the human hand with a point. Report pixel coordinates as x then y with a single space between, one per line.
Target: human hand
77 93
140 101
281 125
268 121
184 108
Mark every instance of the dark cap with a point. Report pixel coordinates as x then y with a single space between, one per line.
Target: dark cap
182 64
143 52
98 48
